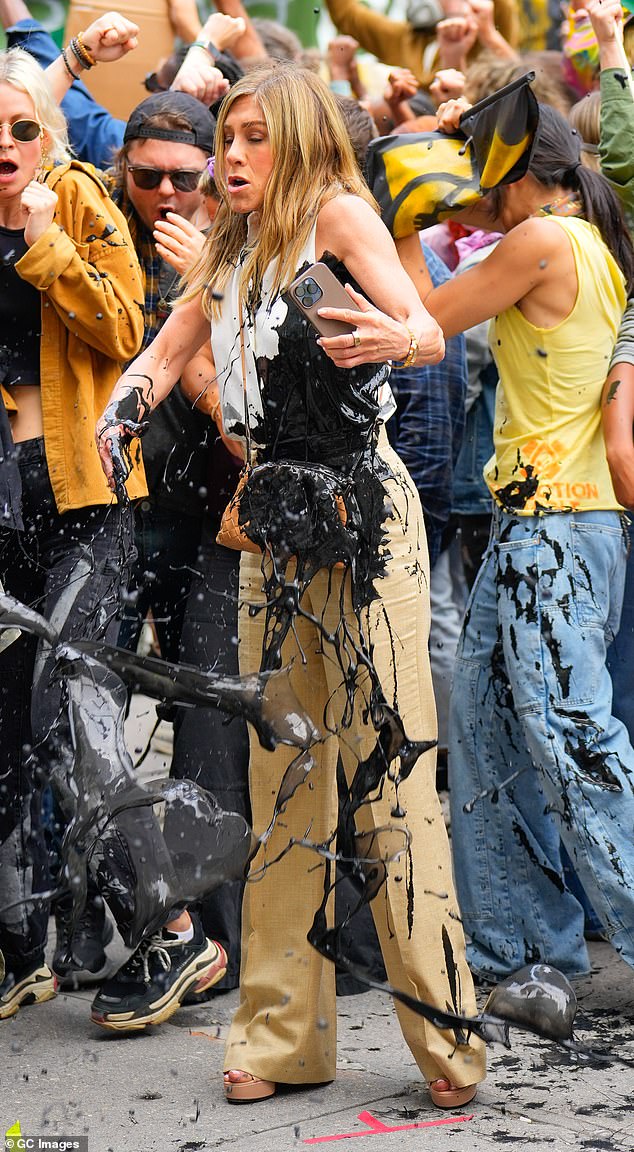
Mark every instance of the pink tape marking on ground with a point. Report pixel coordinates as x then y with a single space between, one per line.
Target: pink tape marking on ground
377 1127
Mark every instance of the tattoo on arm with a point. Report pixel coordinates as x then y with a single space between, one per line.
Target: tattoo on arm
612 391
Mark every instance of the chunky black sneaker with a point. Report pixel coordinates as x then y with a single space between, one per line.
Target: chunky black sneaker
33 987
155 979
81 959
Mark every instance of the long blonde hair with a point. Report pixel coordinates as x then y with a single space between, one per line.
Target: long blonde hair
21 70
585 117
313 161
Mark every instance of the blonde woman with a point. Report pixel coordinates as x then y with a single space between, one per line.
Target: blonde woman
292 193
70 314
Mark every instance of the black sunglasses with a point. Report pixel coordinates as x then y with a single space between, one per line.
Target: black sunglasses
181 178
24 131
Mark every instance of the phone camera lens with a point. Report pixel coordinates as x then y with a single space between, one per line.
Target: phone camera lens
308 292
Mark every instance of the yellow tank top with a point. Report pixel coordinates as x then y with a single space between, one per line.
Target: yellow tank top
549 449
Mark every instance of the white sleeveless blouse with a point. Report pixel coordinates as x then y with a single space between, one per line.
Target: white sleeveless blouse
261 341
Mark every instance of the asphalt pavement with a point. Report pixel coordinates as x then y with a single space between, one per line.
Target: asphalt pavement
66 1084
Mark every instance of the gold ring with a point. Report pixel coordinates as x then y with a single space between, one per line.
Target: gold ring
356 339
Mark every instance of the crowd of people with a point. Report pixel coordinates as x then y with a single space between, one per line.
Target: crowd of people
415 505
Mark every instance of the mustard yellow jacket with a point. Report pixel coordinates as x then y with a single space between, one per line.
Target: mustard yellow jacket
86 269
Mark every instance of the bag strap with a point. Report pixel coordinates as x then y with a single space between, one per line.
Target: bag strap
243 364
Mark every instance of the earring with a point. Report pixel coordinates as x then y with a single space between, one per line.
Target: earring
44 165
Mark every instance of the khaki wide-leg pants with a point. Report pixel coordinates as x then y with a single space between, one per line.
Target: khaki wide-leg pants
285 1026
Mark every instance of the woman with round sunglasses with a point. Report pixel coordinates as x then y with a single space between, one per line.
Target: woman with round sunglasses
292 194
71 565
70 314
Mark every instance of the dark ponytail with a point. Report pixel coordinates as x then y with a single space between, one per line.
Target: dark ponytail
556 162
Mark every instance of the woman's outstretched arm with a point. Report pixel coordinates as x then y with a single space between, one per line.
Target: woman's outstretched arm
150 378
534 259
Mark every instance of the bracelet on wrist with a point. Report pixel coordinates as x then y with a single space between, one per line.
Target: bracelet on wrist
85 51
412 352
83 58
67 66
209 47
75 52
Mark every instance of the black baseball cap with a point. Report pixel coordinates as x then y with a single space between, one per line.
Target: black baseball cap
202 123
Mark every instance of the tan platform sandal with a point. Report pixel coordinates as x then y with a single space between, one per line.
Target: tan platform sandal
246 1089
444 1094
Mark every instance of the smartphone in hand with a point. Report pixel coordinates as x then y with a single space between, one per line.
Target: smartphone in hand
318 287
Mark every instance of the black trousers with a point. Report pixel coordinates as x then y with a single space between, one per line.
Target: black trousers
67 568
207 749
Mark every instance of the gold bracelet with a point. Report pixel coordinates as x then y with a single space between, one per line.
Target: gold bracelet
412 352
85 53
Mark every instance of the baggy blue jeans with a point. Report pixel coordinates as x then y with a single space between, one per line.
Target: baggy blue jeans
621 654
532 700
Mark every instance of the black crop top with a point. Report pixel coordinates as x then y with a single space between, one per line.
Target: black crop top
20 315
